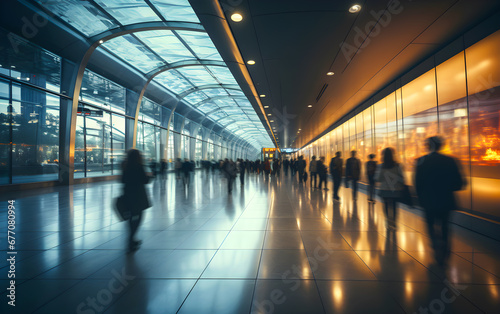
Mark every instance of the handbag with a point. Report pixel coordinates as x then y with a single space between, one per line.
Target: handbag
121 209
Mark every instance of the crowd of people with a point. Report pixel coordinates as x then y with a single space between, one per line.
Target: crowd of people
436 178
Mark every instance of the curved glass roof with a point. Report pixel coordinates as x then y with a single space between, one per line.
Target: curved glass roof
203 88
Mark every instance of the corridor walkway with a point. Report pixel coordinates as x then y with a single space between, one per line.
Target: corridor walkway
273 246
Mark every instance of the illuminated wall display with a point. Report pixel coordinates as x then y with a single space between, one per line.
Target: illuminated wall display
459 99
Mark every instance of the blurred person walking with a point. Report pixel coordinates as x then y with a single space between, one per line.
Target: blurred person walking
371 169
134 179
163 169
178 168
186 168
286 164
352 173
336 172
300 165
229 169
437 177
240 165
392 184
313 171
322 173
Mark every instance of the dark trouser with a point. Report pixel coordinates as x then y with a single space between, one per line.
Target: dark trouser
354 187
286 171
230 182
186 178
337 180
301 175
242 177
440 243
391 210
313 177
133 224
371 187
322 178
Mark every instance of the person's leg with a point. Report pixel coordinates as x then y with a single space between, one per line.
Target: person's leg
445 234
354 189
394 212
386 210
134 222
430 220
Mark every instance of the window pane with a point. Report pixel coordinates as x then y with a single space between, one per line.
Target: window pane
419 117
128 11
98 145
176 10
483 62
80 153
129 49
453 116
29 63
165 44
102 92
81 15
4 141
118 136
35 137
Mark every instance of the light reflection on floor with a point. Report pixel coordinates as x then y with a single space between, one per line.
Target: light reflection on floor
273 246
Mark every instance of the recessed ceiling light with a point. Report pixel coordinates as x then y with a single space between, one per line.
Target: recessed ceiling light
310 106
300 129
266 107
262 95
330 73
251 62
355 8
269 114
101 41
271 121
13 66
236 17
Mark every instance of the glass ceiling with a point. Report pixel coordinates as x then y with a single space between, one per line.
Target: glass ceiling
147 51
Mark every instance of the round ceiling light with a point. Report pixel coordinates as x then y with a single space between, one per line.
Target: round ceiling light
355 8
262 96
236 17
265 107
330 73
251 62
310 106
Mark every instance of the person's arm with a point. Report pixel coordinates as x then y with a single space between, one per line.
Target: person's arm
378 174
457 181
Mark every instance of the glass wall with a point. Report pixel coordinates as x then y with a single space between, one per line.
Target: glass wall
459 99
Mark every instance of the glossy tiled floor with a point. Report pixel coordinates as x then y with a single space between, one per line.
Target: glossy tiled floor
274 246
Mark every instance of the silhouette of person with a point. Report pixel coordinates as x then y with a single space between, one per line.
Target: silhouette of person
322 172
352 173
134 179
371 168
313 172
392 184
336 172
437 177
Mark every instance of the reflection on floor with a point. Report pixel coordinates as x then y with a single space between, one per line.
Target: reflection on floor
273 246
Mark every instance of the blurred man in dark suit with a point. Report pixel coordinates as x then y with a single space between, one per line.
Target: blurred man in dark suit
436 178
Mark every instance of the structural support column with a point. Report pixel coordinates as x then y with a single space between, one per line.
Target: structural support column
66 163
